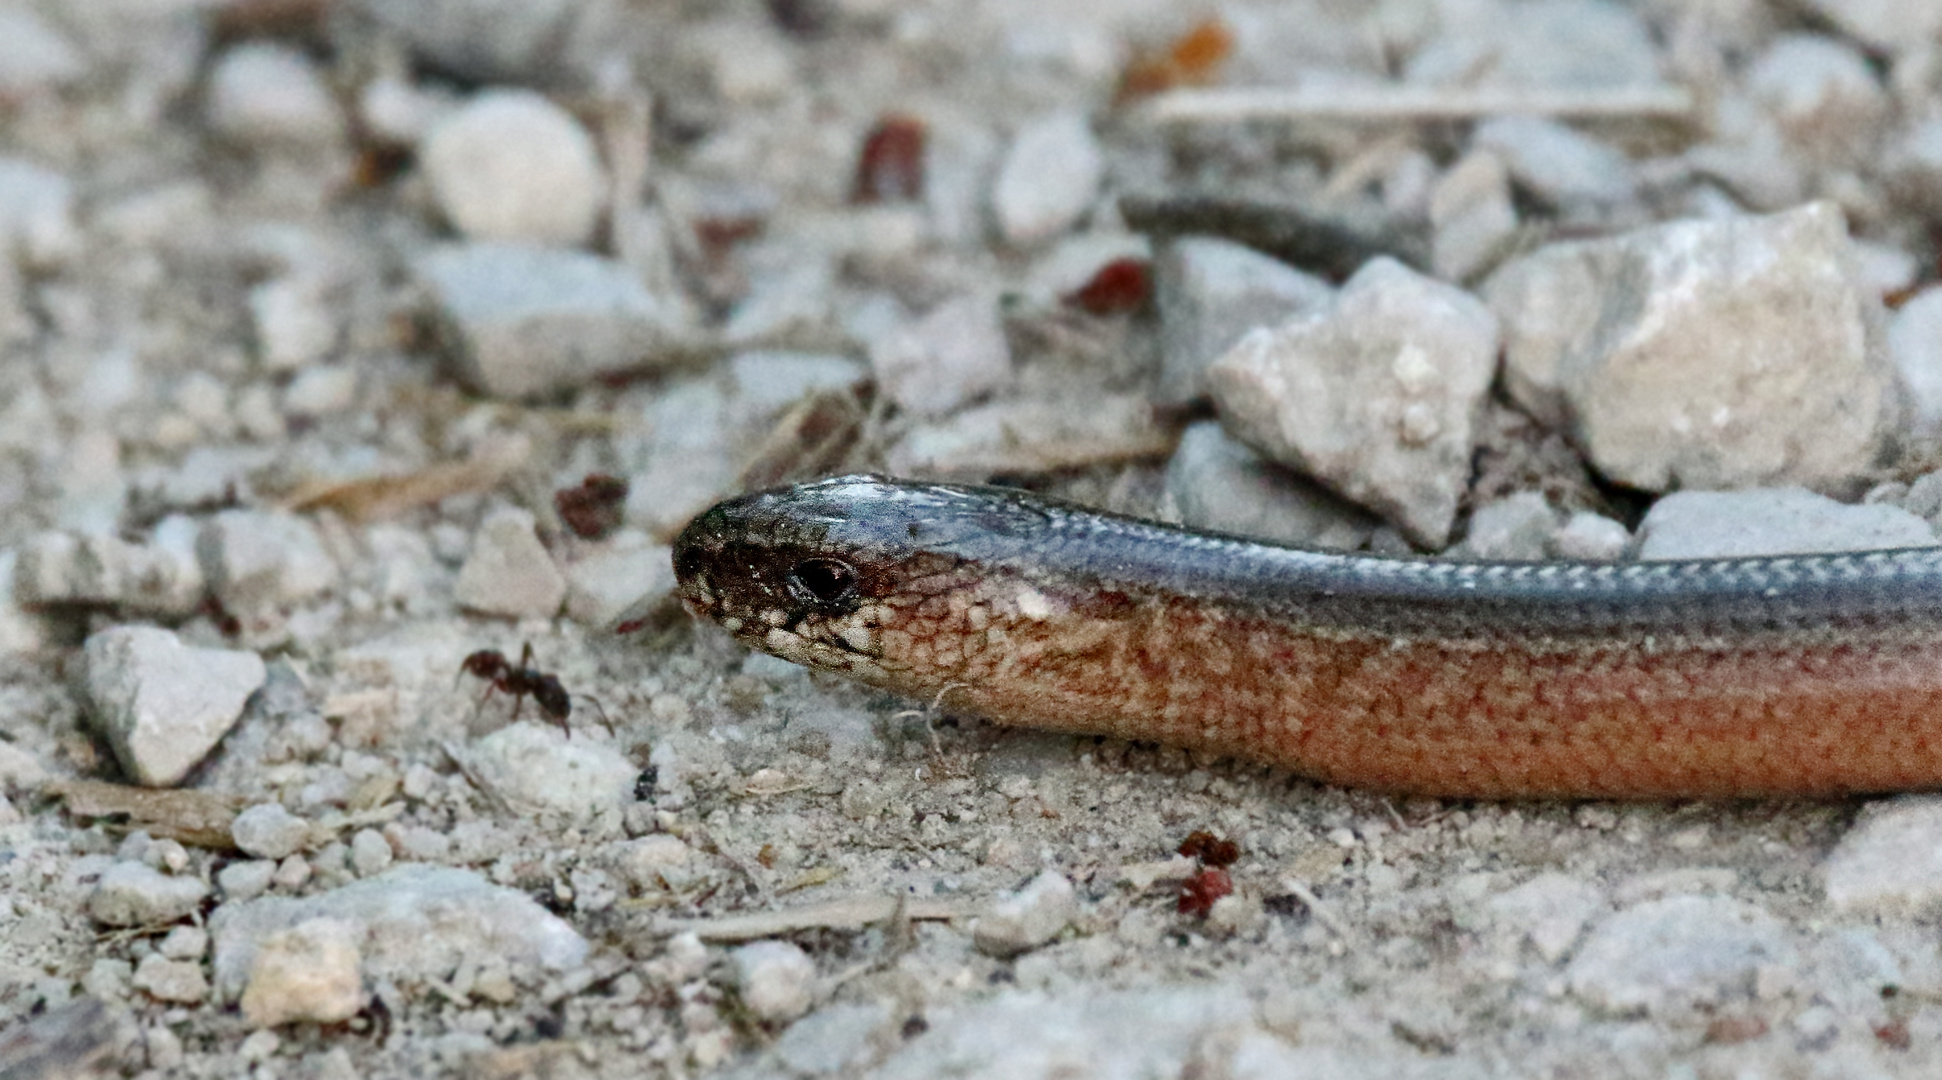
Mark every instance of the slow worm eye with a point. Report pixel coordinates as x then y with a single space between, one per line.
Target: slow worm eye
823 582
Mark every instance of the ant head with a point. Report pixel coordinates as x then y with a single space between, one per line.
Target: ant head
485 664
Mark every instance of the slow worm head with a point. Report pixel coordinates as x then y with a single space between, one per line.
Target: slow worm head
1813 674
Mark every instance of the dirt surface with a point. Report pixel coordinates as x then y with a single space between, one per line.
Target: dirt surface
161 367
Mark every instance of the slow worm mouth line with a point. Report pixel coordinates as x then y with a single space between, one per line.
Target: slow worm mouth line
1796 674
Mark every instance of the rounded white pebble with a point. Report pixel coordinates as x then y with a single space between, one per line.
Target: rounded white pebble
370 853
777 980
511 165
271 94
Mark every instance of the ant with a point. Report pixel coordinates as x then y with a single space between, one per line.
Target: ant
521 681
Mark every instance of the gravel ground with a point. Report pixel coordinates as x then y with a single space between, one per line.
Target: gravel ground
360 357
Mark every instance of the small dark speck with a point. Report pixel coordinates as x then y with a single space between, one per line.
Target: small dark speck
914 1026
644 783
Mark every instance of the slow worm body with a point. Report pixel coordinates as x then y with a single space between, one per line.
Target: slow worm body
1812 674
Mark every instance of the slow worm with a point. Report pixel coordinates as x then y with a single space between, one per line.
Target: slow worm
1808 674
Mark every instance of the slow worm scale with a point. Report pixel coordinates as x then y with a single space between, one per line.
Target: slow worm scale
1809 674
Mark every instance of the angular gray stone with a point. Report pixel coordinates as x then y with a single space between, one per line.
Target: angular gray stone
1210 293
136 894
1557 163
1215 482
1048 179
949 357
1704 354
1823 94
1772 521
258 561
163 705
1517 527
509 572
603 583
1377 397
1473 217
526 321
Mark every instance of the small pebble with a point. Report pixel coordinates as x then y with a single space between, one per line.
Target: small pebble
1557 163
602 584
1888 863
37 225
1215 482
291 873
657 861
245 879
34 56
1519 527
481 40
1210 293
309 972
1772 521
1048 179
509 165
1915 342
134 894
1473 217
1823 94
184 943
178 981
1549 911
1587 535
163 705
1416 355
271 95
946 359
836 1040
370 853
539 768
777 980
321 391
268 831
293 324
1021 921
1665 957
262 561
509 572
